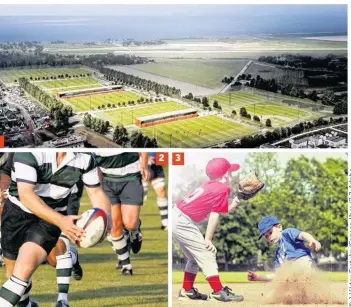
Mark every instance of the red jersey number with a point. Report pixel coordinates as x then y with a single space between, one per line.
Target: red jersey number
192 196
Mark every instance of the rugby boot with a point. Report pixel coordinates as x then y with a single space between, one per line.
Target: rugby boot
62 303
136 240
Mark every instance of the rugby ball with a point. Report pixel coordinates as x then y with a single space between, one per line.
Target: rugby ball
94 222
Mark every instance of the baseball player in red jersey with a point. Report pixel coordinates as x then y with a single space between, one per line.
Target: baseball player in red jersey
209 200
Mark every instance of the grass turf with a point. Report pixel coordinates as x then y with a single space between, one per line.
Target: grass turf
102 285
197 132
127 116
88 102
68 84
9 76
277 111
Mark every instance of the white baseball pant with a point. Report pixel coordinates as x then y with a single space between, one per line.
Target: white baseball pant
188 236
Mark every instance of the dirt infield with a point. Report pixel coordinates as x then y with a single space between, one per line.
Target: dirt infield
255 295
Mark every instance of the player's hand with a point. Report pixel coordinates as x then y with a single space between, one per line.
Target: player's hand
69 228
316 245
151 160
145 174
251 276
3 196
210 247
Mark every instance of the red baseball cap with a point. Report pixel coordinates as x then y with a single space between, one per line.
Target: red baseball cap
218 167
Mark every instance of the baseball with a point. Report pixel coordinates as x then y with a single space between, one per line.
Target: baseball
270 172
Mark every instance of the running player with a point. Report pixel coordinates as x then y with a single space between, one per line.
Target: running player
122 176
34 216
158 182
63 247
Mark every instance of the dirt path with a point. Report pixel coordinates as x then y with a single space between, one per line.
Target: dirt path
254 293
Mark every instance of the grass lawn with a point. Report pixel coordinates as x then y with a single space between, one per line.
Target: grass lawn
88 102
68 84
241 277
102 285
127 116
9 76
280 113
206 73
198 132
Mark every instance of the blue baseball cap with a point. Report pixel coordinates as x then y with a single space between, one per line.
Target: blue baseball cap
267 223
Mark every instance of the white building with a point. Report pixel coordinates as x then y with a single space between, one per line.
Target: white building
335 141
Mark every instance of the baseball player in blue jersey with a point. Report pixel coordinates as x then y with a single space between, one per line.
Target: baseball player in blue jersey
291 245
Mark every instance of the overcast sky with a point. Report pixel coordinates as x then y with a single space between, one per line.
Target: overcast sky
340 11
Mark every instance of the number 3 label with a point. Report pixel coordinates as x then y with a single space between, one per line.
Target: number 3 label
178 158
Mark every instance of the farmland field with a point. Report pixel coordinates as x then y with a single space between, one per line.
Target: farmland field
200 72
282 76
88 102
274 109
9 76
126 116
197 132
102 285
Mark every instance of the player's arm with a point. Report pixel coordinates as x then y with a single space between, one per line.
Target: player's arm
234 204
98 198
310 240
211 227
252 276
96 195
5 178
144 159
25 166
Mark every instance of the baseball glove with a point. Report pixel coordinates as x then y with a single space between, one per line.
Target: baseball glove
249 186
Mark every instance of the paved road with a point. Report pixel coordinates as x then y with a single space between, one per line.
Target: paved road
225 89
304 133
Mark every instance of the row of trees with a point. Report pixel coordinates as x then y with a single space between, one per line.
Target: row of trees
281 133
137 82
330 62
61 76
120 134
12 58
59 112
136 140
96 124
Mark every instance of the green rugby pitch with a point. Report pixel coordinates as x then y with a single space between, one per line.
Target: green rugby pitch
68 84
279 112
9 76
89 102
126 116
102 285
197 132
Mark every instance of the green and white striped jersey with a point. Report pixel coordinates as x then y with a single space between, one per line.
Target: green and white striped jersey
119 167
53 184
3 159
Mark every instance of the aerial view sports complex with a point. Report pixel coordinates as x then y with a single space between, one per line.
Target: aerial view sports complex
241 90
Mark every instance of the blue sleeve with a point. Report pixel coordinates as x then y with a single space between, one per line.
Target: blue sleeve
276 262
292 234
